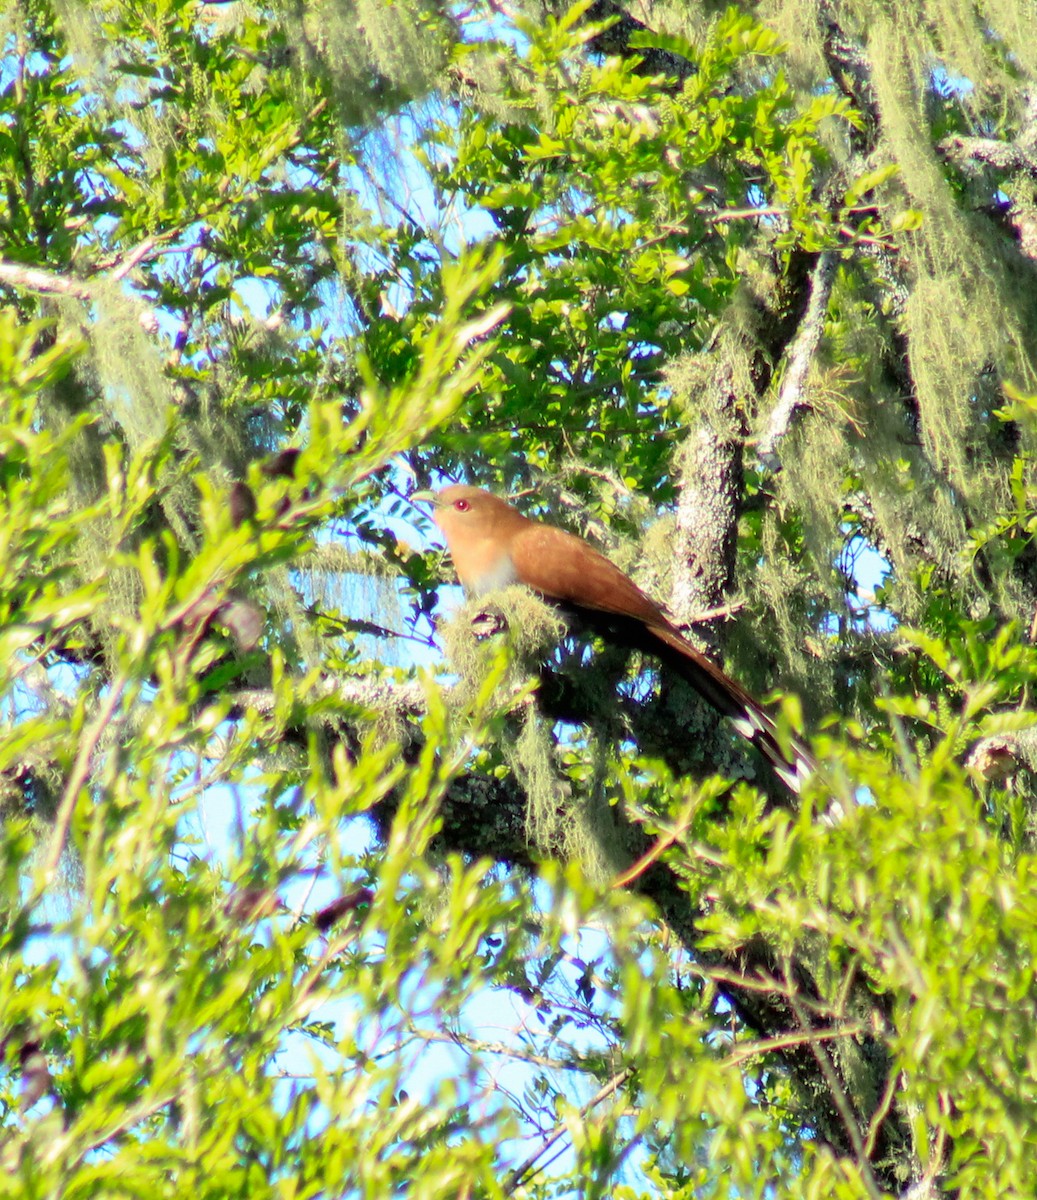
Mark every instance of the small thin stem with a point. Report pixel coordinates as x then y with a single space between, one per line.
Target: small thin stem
76 779
529 1166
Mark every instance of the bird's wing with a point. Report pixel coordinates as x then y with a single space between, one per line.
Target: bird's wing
564 568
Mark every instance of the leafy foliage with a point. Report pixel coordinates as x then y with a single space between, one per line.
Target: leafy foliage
282 916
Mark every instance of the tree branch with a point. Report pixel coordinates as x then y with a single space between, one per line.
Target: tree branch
376 693
709 504
50 283
793 397
45 282
850 69
990 152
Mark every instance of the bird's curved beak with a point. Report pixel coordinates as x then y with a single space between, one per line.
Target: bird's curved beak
424 498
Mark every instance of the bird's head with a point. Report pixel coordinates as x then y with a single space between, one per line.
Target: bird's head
467 512
479 529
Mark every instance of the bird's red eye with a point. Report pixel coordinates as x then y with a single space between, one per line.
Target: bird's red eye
462 505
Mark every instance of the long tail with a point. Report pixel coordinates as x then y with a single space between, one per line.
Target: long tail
792 764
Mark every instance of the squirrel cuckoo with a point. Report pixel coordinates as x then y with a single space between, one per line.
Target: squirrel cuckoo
493 545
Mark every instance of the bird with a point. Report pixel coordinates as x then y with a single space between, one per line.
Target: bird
493 545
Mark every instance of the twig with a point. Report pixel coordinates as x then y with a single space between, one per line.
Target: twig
761 983
136 255
529 1166
840 1098
663 843
80 769
714 614
743 214
765 984
300 908
939 1152
862 239
134 1115
880 1113
476 1045
781 1041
